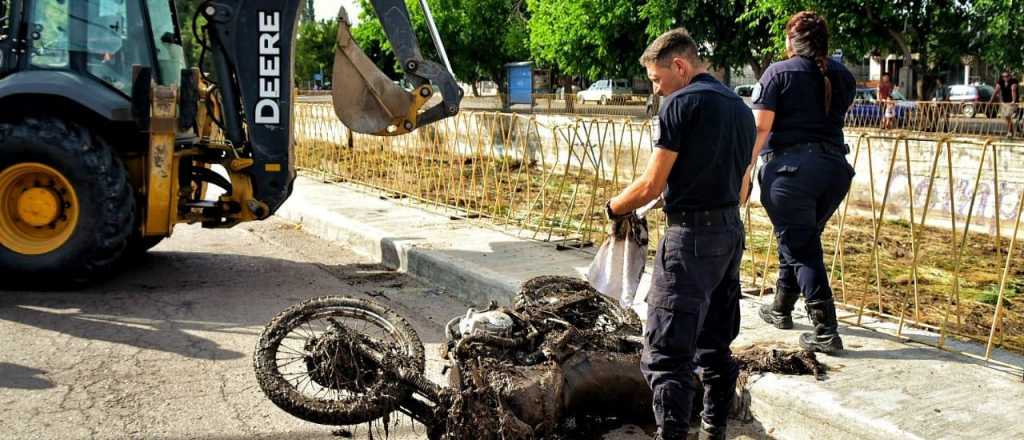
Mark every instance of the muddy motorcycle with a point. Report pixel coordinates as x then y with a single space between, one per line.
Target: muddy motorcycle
560 352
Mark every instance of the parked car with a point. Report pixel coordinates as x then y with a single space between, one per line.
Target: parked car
867 110
607 91
973 99
745 90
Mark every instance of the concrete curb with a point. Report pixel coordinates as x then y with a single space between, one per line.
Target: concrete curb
463 279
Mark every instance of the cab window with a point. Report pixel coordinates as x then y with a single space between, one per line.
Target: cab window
102 38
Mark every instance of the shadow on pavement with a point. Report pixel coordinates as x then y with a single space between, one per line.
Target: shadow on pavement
166 300
21 377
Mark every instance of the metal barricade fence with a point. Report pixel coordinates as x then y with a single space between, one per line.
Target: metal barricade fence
927 238
934 118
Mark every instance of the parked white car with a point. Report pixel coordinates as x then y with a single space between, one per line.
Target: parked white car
606 91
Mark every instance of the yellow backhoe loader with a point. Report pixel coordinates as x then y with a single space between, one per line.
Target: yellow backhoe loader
108 139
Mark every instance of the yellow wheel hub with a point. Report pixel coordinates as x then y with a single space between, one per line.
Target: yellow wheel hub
38 208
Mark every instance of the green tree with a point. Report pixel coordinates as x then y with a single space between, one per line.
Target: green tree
308 13
999 26
727 35
369 35
186 11
314 50
480 36
935 30
588 38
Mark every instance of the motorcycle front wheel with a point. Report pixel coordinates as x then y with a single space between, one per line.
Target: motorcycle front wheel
307 362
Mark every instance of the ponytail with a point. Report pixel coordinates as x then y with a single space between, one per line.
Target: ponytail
808 34
823 66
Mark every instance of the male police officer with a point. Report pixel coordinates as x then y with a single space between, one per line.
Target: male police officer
705 141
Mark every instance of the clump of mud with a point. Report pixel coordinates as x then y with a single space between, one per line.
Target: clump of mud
778 359
768 358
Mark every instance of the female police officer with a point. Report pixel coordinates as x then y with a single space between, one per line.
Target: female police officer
799 106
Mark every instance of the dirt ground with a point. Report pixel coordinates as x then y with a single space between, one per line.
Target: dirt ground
968 312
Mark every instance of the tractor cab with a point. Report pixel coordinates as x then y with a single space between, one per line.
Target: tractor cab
97 39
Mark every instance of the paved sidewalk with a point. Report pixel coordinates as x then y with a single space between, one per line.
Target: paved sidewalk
879 389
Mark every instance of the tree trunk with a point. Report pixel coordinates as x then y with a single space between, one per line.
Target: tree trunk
472 85
570 98
757 66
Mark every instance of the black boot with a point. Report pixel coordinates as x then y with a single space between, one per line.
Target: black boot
663 436
708 432
825 338
780 312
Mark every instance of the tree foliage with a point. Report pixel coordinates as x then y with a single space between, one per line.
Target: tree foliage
999 27
314 50
589 38
603 38
727 35
186 11
485 34
935 30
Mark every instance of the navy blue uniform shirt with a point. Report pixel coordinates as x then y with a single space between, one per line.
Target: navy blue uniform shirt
794 89
713 132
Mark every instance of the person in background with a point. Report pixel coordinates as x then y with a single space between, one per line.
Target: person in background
800 105
1006 92
885 88
940 99
704 143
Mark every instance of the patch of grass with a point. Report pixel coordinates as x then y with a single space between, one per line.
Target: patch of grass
990 294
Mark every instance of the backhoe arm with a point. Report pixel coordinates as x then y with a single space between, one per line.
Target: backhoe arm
367 101
252 46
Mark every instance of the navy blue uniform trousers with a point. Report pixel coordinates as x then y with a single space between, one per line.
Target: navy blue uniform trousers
692 316
800 190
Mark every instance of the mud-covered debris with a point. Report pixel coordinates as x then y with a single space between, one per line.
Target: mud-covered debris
778 359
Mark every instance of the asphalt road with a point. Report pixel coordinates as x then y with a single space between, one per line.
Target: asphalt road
164 350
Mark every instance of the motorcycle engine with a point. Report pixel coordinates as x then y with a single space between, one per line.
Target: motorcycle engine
493 322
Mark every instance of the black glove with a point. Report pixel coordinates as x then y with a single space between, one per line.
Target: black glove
611 215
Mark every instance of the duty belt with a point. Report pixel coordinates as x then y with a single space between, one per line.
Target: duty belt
710 217
840 150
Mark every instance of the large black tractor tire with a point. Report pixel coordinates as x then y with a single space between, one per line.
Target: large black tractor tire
369 403
75 179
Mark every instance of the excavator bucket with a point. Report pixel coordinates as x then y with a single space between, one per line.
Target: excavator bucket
368 101
365 99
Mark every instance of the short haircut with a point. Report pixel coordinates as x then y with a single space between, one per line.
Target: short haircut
674 43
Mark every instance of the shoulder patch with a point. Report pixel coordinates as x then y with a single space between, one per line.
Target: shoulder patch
755 95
